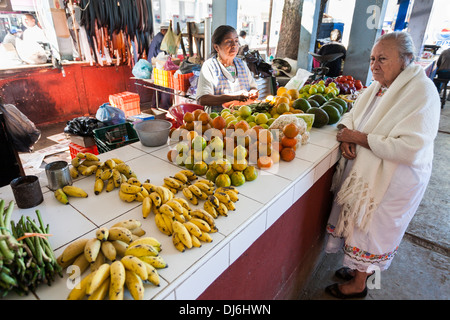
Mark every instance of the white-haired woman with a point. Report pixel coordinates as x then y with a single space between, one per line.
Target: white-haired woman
387 151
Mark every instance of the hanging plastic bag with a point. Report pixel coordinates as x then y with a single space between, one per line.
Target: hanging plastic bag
171 41
169 65
142 69
110 115
297 81
23 132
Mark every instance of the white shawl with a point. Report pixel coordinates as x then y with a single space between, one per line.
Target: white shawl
400 130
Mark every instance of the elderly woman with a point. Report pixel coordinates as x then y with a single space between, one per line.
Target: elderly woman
224 77
387 151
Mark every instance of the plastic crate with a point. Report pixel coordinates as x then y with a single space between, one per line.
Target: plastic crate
163 78
181 81
116 136
127 101
75 148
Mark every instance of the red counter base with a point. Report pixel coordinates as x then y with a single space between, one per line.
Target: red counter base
278 263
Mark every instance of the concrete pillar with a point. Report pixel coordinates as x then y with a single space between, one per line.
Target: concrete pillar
418 22
224 12
368 17
308 33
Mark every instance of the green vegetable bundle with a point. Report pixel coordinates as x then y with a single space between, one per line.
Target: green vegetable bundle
26 257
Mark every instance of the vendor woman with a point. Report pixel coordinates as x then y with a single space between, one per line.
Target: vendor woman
224 77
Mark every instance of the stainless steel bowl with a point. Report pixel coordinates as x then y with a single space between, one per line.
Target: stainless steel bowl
153 133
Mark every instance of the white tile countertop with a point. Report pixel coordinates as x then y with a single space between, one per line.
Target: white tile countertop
261 203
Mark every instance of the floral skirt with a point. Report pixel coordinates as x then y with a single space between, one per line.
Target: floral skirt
376 248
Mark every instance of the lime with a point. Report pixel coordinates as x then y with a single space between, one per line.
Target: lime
245 111
261 118
223 180
200 168
250 173
213 115
237 178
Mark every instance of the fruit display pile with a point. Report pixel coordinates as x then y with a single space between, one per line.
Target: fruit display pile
26 256
116 258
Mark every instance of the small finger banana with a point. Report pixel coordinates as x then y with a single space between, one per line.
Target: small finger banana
106 174
99 277
109 251
161 225
128 224
146 207
156 199
98 186
129 188
110 185
183 233
167 210
127 197
120 233
201 224
91 156
102 234
177 243
192 228
140 250
180 176
134 285
73 191
61 196
91 249
156 261
117 274
136 265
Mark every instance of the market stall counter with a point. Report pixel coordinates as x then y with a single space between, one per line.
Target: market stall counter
258 250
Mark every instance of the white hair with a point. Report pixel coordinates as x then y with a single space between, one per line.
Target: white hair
404 42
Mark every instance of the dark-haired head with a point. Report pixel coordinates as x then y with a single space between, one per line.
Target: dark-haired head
219 34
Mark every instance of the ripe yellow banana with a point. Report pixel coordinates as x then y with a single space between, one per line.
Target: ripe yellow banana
177 242
120 246
210 208
206 188
73 250
183 203
191 175
110 163
179 217
183 233
186 214
164 193
73 172
208 182
180 176
195 241
117 274
73 191
128 224
134 181
124 169
134 285
167 210
110 185
120 233
202 214
192 228
91 156
136 265
173 190
205 237
101 292
138 231
116 178
168 221
222 209
117 160
195 190
129 188
201 224
79 291
99 276
175 205
98 262
109 251
156 199
161 225
61 196
148 240
230 206
156 261
98 186
190 196
172 182
214 201
146 207
76 162
140 250
231 193
98 173
87 171
82 265
127 197
106 174
102 234
149 187
91 249
139 197
222 196
152 274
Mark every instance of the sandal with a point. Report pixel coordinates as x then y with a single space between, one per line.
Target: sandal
336 292
344 273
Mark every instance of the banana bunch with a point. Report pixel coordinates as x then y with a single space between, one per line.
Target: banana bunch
85 164
118 257
179 181
199 190
111 175
222 201
63 194
189 234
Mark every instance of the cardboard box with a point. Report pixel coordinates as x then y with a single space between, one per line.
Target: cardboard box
85 142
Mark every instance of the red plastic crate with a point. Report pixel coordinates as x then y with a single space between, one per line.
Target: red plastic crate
75 148
127 101
181 81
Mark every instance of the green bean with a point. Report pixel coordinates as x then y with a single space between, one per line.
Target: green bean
8 214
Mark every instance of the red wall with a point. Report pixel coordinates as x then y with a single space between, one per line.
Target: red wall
279 262
45 96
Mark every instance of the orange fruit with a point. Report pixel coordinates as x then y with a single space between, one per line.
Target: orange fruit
196 113
204 118
281 90
188 117
242 125
219 123
287 154
190 126
289 142
264 162
282 99
191 135
293 93
291 130
171 155
265 136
